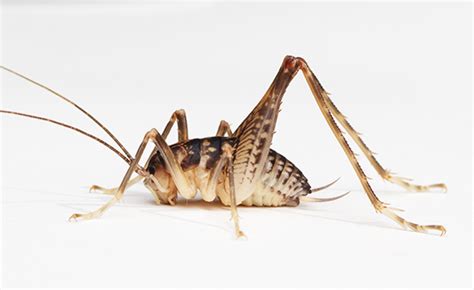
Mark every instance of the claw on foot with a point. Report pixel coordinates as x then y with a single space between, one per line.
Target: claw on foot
94 188
439 228
101 189
86 216
74 217
240 235
441 186
409 225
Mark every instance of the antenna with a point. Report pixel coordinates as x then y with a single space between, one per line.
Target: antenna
72 128
72 103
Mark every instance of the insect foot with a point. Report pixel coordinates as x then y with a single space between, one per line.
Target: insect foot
77 216
405 183
412 226
93 214
101 189
240 235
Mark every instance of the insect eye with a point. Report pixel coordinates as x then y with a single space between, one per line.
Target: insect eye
151 169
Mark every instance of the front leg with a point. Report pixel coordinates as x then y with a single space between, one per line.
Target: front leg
175 170
224 128
104 190
177 116
180 116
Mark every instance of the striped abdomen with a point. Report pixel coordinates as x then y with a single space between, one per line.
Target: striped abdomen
282 183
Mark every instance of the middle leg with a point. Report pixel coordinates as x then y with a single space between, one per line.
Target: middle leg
233 199
224 167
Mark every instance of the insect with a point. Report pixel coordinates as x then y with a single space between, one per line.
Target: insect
238 168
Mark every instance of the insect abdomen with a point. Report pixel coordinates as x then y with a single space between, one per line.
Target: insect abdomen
281 184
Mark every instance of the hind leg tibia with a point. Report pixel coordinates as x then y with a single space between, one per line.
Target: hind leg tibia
385 174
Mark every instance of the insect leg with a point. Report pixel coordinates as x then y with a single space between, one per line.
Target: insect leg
385 174
233 198
224 128
321 97
224 165
104 190
178 115
152 190
175 171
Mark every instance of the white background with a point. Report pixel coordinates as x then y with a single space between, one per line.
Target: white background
400 72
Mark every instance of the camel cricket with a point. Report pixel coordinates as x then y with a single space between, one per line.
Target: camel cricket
238 167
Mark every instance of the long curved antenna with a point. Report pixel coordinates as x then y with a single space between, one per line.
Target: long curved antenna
72 128
72 103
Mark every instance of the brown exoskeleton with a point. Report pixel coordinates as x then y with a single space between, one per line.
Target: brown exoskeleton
240 168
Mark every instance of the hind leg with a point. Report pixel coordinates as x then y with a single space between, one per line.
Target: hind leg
385 174
255 134
322 98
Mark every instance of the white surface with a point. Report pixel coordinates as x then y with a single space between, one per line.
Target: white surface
401 72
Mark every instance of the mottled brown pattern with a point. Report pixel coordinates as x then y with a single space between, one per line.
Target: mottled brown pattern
241 169
280 178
